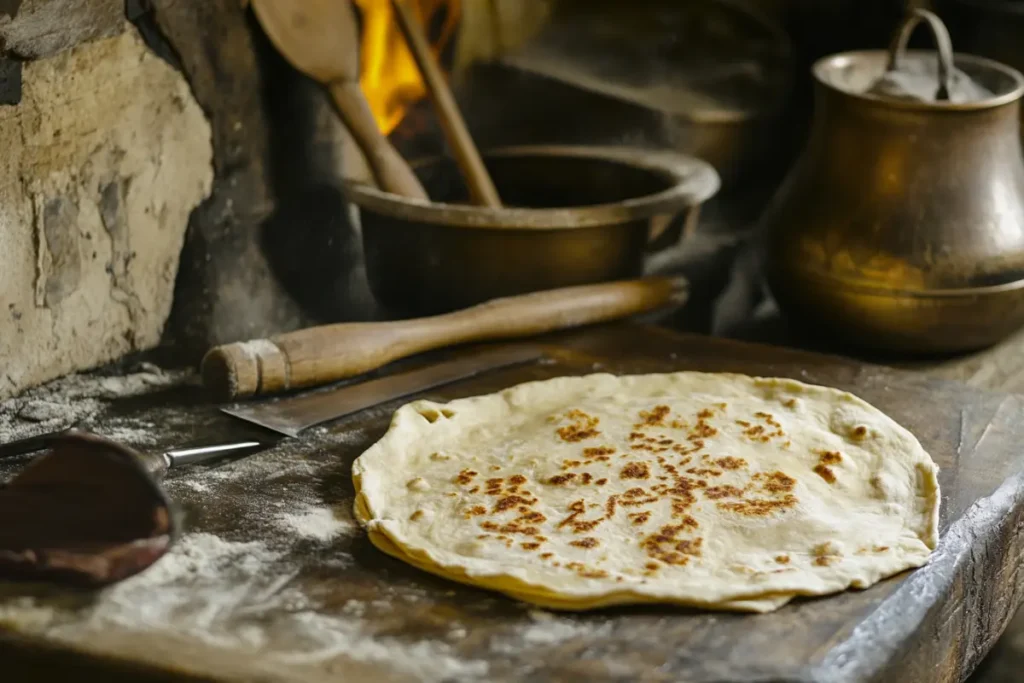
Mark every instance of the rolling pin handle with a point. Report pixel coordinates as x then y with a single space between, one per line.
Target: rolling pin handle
245 369
319 355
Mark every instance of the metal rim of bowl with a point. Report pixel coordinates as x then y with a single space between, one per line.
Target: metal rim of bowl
832 62
693 181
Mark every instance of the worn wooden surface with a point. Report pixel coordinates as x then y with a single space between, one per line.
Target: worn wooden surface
998 368
337 606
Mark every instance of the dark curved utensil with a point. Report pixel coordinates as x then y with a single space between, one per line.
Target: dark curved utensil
90 511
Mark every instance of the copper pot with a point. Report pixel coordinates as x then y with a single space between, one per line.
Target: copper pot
572 216
902 225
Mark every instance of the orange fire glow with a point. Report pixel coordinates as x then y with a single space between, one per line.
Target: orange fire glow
388 74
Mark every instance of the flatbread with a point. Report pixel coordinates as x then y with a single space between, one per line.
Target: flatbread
709 490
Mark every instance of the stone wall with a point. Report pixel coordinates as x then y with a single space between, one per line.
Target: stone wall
165 178
273 247
103 158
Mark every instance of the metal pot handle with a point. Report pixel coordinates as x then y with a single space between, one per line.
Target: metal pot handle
942 42
667 229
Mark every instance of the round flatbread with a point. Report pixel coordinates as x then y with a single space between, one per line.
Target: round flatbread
709 490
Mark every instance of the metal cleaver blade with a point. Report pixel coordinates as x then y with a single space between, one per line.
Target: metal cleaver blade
292 414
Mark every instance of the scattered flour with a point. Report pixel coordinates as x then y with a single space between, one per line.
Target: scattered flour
195 484
24 613
24 417
240 596
256 469
144 379
42 411
280 489
202 572
201 557
130 431
547 629
247 597
257 348
319 523
328 638
204 577
75 399
355 608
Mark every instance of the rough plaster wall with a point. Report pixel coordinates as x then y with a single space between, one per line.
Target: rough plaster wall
100 165
273 248
31 29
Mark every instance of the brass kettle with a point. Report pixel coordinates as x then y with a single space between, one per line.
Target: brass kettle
901 227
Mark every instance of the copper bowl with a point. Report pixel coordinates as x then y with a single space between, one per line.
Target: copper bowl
572 216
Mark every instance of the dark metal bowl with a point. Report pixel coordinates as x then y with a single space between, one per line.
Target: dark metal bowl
573 215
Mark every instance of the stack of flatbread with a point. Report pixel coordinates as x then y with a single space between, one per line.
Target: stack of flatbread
709 490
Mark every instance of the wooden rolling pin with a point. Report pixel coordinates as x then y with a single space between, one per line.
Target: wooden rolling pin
319 355
319 38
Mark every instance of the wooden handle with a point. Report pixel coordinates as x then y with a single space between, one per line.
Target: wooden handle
321 39
481 188
319 355
389 169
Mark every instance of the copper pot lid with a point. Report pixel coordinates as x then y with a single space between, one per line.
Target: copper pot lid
931 79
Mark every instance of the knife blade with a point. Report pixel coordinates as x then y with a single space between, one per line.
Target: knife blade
291 415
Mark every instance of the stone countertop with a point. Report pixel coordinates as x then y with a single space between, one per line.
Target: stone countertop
999 368
273 579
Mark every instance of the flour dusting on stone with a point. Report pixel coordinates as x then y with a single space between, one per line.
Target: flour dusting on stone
79 398
547 629
319 523
252 577
241 596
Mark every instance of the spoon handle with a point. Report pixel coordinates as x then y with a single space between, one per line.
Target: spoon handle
199 454
158 465
389 169
481 187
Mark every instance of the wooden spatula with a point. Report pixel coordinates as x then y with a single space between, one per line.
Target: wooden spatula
319 38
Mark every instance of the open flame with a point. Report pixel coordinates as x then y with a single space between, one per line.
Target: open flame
388 74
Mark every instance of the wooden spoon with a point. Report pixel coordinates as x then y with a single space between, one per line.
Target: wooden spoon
319 355
481 188
319 38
